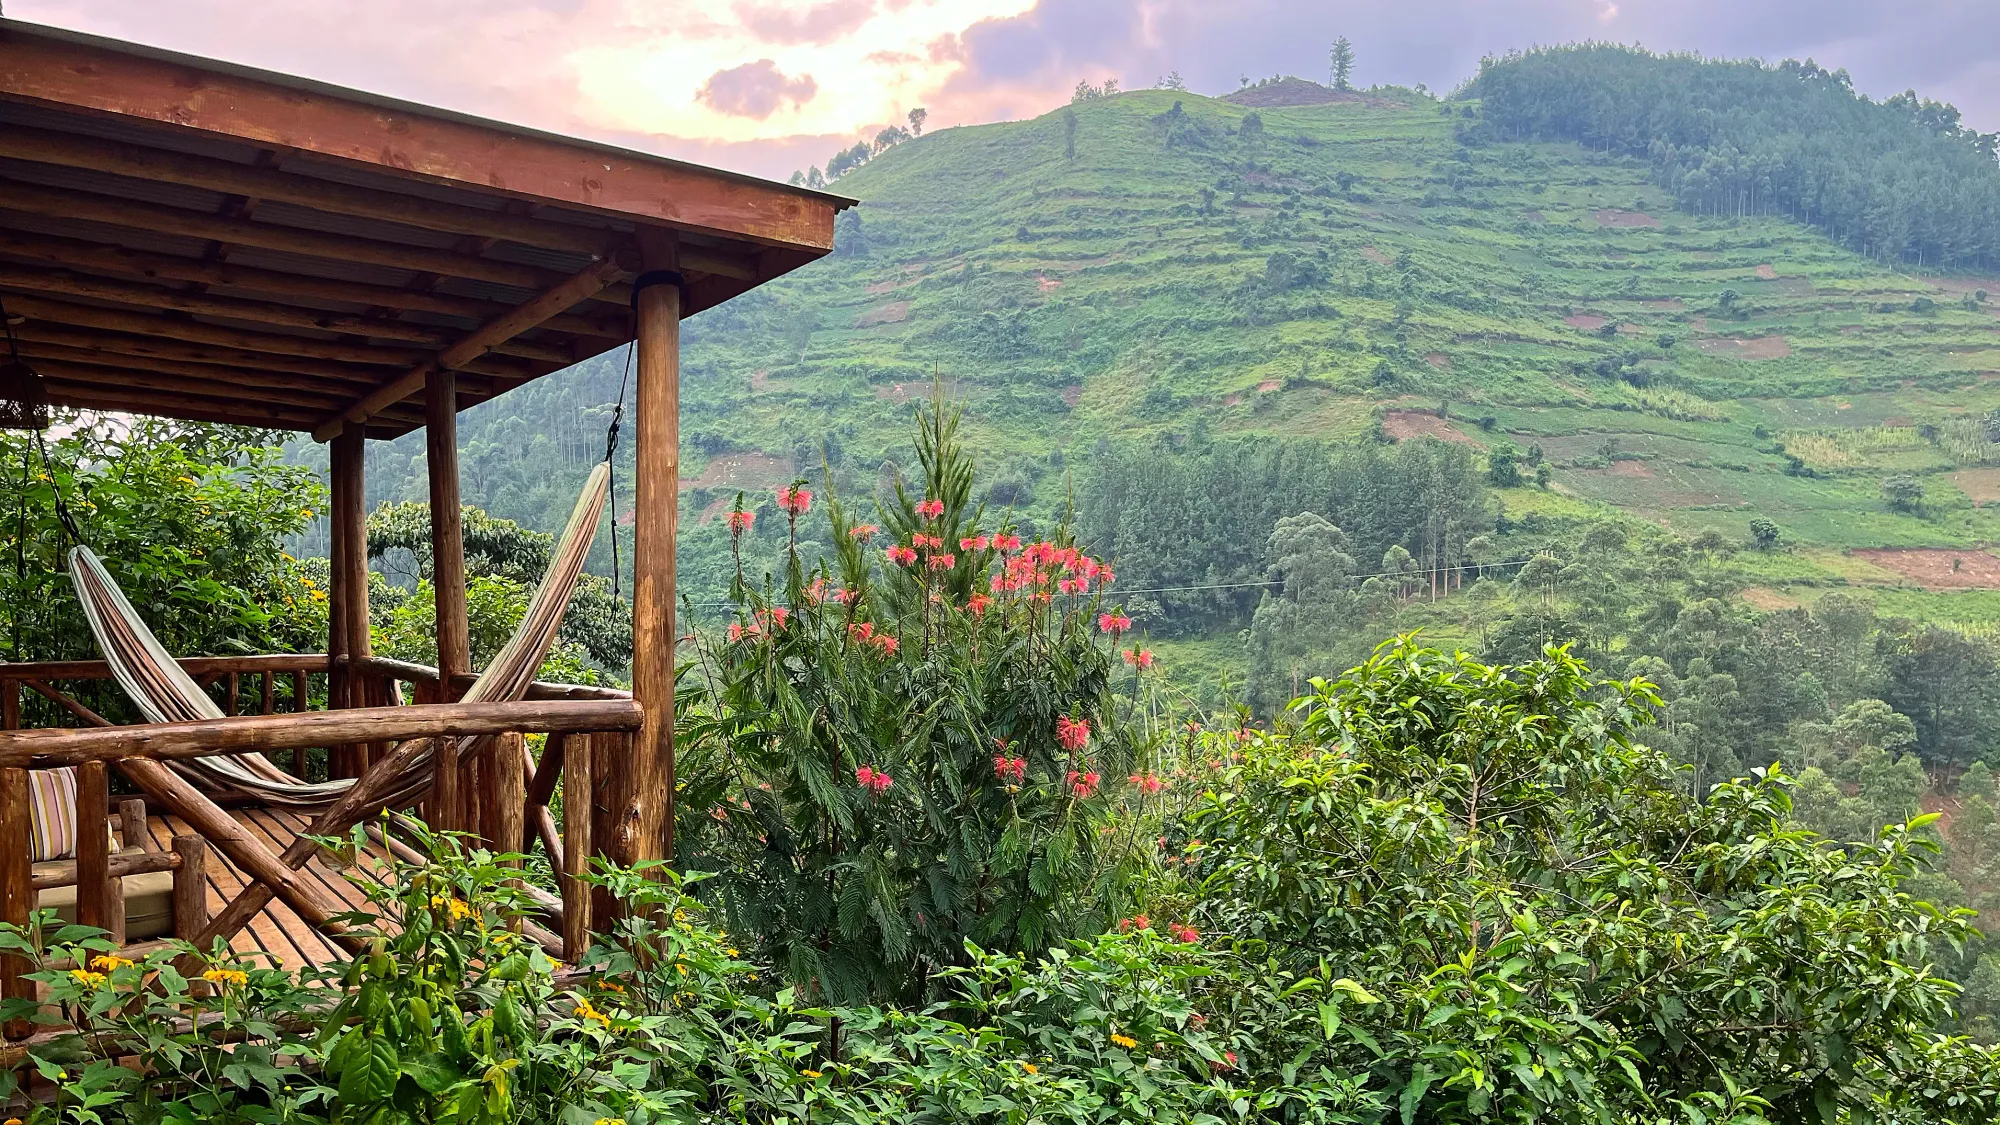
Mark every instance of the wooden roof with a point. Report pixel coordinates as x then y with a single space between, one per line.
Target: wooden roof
194 239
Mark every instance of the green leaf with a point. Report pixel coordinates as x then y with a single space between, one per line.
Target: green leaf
372 1072
1413 1092
433 1072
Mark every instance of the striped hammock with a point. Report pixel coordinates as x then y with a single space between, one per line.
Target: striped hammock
165 693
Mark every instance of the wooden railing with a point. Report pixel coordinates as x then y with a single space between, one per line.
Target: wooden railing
585 735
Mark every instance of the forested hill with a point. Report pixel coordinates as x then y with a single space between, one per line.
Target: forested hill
1902 178
1160 267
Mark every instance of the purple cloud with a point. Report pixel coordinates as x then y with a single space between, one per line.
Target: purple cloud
755 89
819 23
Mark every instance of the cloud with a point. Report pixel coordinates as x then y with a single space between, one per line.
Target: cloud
755 89
819 23
721 81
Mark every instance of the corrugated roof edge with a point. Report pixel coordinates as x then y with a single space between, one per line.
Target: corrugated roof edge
381 101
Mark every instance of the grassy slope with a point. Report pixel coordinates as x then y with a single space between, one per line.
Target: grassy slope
1126 311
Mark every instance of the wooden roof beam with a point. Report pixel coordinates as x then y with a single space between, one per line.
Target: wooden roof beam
97 258
341 383
36 335
590 280
302 400
229 177
196 332
159 219
258 312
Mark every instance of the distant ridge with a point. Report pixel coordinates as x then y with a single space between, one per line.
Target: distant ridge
1297 91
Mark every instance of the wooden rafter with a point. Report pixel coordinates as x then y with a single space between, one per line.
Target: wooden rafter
90 257
475 343
155 218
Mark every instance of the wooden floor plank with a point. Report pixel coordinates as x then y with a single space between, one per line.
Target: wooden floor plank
271 932
163 829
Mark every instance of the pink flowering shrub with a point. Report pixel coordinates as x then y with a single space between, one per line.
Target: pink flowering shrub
913 744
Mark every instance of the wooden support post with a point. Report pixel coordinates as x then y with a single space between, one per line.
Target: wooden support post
10 705
644 779
576 783
510 796
17 892
610 757
301 699
132 824
190 886
93 851
542 778
350 577
232 686
268 705
454 646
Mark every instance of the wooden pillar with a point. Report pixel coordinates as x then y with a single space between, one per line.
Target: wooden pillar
576 785
644 782
17 892
350 570
93 852
454 645
190 886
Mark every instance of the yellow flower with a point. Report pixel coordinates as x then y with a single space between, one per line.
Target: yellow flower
732 951
682 969
11 1121
610 1121
585 1011
87 978
226 976
810 1073
610 986
1031 1068
1125 1041
108 962
459 910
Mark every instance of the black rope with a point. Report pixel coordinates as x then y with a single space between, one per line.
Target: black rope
610 447
55 485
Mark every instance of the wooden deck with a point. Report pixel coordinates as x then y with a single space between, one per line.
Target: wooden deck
277 936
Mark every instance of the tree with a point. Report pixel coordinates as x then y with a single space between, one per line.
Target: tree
1949 686
813 177
1904 493
917 117
1340 63
1763 533
1503 467
1514 874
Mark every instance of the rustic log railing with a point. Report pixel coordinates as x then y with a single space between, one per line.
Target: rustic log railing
583 733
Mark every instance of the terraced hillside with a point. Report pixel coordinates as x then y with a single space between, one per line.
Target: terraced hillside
1158 262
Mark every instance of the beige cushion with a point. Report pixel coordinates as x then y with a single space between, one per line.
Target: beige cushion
149 901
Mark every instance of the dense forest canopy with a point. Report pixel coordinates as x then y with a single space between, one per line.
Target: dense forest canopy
1900 179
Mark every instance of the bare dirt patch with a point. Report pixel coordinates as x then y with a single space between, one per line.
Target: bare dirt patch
1438 360
1072 394
1586 321
1759 347
1766 272
1612 217
1047 284
1268 385
1406 424
894 312
741 470
760 381
896 392
1376 256
1939 568
1233 399
1629 469
1981 485
1768 600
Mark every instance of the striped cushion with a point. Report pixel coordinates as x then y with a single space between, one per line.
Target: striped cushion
52 796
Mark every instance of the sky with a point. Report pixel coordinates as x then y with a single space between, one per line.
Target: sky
770 86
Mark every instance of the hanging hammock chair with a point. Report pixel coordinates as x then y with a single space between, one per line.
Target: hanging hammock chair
165 693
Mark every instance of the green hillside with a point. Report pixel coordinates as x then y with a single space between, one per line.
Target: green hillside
1158 263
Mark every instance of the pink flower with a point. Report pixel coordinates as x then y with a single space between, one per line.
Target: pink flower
862 631
1135 922
1148 782
1229 1062
1007 542
1009 769
887 644
943 562
863 532
1083 783
977 604
930 509
794 501
739 521
1187 935
874 780
975 543
735 631
1139 657
1113 623
1072 734
901 556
